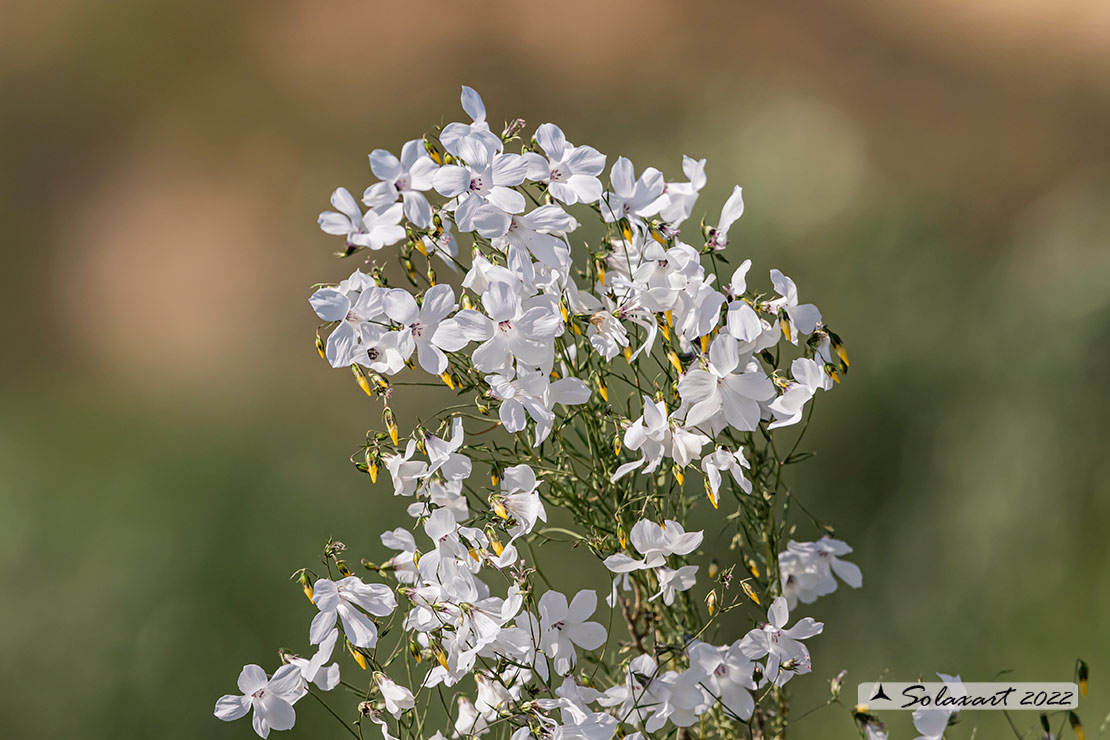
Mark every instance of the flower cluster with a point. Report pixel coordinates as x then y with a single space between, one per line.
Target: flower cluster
531 333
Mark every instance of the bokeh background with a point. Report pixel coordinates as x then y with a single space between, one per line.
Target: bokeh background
936 176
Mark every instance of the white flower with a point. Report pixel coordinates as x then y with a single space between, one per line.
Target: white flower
444 457
657 437
374 230
931 723
406 178
727 676
786 655
732 210
679 198
344 600
484 188
720 460
353 303
631 198
406 472
719 396
570 172
656 543
397 698
799 319
809 377
519 501
607 334
530 393
478 132
671 581
541 232
426 327
468 721
314 671
510 331
807 568
564 627
271 699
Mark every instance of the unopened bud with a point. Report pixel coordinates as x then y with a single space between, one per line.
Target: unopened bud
360 378
391 424
320 346
749 591
711 602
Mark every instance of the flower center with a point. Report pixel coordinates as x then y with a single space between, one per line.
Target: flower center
505 327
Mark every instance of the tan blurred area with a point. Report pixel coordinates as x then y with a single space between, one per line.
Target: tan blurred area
194 139
935 176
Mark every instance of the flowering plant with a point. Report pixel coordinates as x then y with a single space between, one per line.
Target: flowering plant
590 383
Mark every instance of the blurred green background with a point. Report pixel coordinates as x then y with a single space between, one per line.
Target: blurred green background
935 176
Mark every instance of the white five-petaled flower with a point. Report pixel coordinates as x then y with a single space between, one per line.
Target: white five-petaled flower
352 304
721 460
563 627
809 377
530 393
799 319
631 198
656 543
271 698
478 131
519 501
346 599
727 676
786 655
672 581
374 229
406 178
425 327
397 698
657 436
570 172
719 396
484 188
511 329
541 232
806 569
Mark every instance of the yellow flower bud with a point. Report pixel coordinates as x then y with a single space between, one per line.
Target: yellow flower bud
672 357
711 602
749 591
320 346
360 378
357 655
446 378
391 424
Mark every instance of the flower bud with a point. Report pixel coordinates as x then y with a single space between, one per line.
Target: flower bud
672 357
711 602
447 381
714 568
306 584
1076 726
750 591
1083 673
320 346
432 151
390 424
357 655
360 378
